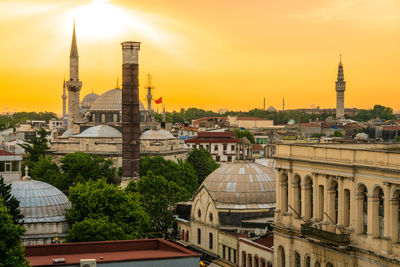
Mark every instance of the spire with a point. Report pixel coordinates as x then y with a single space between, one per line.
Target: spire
74 46
117 87
340 60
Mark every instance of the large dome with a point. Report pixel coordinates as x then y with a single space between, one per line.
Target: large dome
242 185
110 100
90 97
156 135
40 202
103 131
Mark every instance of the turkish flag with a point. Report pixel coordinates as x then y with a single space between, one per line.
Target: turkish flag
158 101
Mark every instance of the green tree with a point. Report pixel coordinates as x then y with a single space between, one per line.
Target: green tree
202 163
159 197
10 202
182 173
99 199
99 229
36 147
244 133
337 134
11 250
47 171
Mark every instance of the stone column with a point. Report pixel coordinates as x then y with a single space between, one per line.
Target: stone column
373 218
340 219
394 222
387 245
305 200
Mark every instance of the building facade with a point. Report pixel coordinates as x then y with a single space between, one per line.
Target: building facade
337 205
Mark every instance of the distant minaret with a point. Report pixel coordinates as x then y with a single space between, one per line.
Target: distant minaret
340 88
283 104
264 103
149 96
74 84
164 118
64 99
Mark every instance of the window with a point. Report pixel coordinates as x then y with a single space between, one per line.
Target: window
232 147
308 261
15 166
250 260
296 259
229 254
381 213
215 147
281 257
365 210
211 217
217 158
199 213
2 166
243 259
198 236
210 241
8 166
225 147
256 261
297 192
229 158
187 236
223 251
234 255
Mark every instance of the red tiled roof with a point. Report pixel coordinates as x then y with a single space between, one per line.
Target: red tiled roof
391 128
250 119
106 251
257 147
216 134
206 141
266 241
6 153
209 118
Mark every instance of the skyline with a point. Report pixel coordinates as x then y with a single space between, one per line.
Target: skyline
239 55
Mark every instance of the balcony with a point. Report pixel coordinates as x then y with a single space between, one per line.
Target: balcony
325 236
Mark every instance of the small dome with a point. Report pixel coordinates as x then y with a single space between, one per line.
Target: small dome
67 133
111 100
242 185
271 109
90 97
156 135
100 131
39 201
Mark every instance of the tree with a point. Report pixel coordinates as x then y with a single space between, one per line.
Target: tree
202 163
99 229
244 133
337 134
182 173
159 197
11 251
10 202
47 171
36 147
98 199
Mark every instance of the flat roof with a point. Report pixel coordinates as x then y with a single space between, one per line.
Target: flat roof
106 251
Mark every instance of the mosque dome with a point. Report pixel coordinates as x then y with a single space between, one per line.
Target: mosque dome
100 131
90 98
242 185
110 100
40 202
67 133
271 109
156 135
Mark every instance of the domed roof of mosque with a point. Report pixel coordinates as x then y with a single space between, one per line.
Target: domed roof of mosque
104 131
156 135
271 109
67 133
111 100
90 97
40 202
242 185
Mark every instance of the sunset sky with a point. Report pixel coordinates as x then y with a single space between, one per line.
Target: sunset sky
211 54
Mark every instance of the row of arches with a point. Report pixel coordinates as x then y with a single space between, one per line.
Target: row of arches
374 208
298 260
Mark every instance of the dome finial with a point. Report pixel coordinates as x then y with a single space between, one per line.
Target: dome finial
26 176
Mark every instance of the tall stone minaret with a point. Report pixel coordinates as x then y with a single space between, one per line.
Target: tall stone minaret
340 88
64 99
149 95
74 85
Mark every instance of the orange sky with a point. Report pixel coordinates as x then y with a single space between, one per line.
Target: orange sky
209 54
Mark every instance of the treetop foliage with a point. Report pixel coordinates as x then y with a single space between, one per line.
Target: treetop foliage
244 133
202 162
10 121
10 202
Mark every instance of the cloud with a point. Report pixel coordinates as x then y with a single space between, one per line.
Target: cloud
371 12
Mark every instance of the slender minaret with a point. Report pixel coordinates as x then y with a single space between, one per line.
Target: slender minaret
283 104
130 112
149 95
74 85
264 103
64 99
340 88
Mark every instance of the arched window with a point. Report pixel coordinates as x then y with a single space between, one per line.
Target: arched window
103 118
244 259
378 192
362 209
320 202
329 264
297 193
281 257
296 259
308 197
308 261
198 236
256 261
317 264
187 236
210 241
346 210
284 192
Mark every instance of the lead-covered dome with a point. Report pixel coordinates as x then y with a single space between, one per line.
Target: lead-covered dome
242 185
40 202
110 100
100 131
156 135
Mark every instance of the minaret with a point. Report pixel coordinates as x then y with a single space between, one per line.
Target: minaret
264 103
283 104
74 85
340 88
149 96
64 99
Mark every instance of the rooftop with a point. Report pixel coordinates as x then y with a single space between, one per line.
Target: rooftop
106 251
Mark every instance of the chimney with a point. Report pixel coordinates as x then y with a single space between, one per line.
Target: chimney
130 112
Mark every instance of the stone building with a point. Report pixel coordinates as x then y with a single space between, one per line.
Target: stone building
236 200
337 205
43 207
10 166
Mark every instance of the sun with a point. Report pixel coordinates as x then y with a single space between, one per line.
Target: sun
100 19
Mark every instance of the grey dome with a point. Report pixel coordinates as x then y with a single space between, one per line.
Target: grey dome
90 97
39 201
271 109
242 185
110 100
67 133
156 135
100 131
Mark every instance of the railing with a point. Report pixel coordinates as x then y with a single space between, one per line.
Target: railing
325 236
